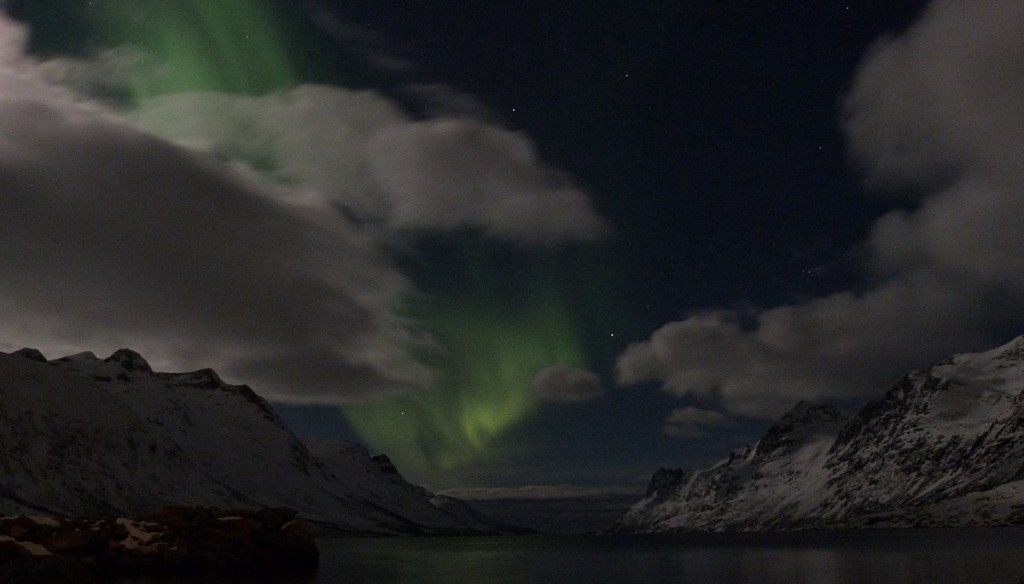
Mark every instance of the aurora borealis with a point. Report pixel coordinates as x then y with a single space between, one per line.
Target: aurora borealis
234 46
495 329
484 386
388 218
492 318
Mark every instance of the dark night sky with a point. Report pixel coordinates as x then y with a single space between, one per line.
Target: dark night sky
698 212
692 125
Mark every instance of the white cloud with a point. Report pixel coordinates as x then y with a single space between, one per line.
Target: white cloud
943 100
452 173
567 384
939 109
13 37
312 137
358 149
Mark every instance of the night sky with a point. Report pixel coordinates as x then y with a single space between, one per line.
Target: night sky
517 243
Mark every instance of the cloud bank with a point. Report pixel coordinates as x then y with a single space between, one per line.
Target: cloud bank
937 112
245 233
359 150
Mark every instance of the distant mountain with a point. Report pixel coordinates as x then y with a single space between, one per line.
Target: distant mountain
944 447
83 435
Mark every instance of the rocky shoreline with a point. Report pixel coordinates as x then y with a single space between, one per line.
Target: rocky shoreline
176 539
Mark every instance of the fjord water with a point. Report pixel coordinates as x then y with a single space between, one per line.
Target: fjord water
914 556
898 556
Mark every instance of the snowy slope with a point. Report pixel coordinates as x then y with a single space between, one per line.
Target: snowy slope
945 446
82 435
767 485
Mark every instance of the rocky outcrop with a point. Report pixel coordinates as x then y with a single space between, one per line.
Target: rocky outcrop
171 540
666 480
129 361
944 447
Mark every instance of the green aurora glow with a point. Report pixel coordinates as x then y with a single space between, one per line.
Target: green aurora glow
234 46
499 316
491 353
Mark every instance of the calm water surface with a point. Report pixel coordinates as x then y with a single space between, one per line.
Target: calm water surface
949 556
974 556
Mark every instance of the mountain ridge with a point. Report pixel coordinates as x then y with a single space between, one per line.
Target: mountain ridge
943 447
82 435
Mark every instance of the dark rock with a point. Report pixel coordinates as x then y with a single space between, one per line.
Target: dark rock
200 379
665 479
66 540
792 429
384 464
275 517
292 546
16 527
129 361
49 570
33 354
11 550
173 539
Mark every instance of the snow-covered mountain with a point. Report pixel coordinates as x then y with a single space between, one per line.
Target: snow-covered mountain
83 435
944 447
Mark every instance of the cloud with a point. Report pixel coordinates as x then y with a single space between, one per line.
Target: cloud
454 173
242 233
938 111
567 384
438 100
361 44
359 149
943 100
13 37
694 423
112 238
313 137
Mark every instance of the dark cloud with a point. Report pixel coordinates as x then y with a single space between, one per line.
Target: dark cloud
437 100
560 383
694 423
939 109
114 237
361 44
